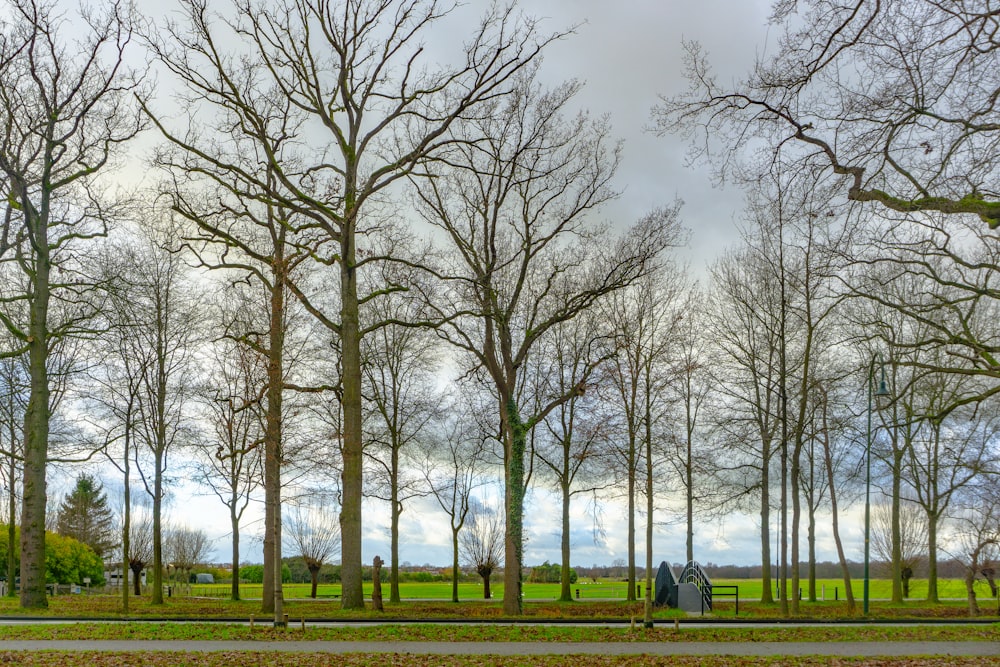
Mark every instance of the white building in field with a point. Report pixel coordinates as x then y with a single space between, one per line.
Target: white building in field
115 577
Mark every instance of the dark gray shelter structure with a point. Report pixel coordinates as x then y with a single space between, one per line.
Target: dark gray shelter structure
691 591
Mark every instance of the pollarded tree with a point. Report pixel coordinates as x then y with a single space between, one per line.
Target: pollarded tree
482 541
512 198
352 96
897 96
912 537
139 552
66 106
313 531
84 515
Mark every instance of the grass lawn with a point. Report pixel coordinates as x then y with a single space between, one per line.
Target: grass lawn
749 589
419 603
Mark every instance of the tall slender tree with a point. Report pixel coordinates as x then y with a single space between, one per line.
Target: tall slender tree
522 257
349 86
66 106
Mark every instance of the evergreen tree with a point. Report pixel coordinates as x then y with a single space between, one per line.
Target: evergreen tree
84 515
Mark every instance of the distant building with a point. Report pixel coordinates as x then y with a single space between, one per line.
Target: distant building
115 577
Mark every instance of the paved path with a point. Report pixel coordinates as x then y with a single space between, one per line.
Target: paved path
862 649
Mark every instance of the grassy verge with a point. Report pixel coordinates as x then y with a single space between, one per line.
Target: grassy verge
108 606
222 659
497 633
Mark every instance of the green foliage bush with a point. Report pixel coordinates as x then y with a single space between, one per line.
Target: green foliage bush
67 561
549 573
254 574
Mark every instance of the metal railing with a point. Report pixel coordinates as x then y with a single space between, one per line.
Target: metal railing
693 574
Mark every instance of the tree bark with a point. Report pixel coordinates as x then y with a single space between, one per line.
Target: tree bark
234 522
514 505
766 596
932 560
454 565
272 439
565 594
352 476
828 460
36 440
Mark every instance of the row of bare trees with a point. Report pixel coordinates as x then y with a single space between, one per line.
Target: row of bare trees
369 216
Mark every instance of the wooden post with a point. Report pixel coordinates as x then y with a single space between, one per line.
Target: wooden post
377 584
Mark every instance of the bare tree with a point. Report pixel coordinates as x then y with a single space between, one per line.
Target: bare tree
744 303
912 538
642 317
231 460
570 446
186 547
162 319
349 86
138 554
313 531
66 106
482 541
398 365
913 126
453 463
978 538
523 258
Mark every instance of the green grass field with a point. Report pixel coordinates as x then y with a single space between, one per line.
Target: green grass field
826 589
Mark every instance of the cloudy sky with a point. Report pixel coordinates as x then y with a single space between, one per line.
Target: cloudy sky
627 53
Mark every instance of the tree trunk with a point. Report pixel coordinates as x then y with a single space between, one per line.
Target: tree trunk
137 572
273 594
397 509
234 521
126 511
648 606
352 476
11 518
689 475
565 594
796 521
514 507
454 565
632 469
970 590
828 461
314 578
486 584
812 552
36 437
897 547
158 528
766 596
932 560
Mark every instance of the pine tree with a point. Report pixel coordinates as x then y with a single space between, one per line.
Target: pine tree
84 514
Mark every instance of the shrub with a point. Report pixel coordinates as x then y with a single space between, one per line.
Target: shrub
254 574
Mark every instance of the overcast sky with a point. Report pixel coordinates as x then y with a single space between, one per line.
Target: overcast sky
627 52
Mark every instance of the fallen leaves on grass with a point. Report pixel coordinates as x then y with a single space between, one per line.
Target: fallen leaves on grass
239 659
499 633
